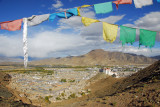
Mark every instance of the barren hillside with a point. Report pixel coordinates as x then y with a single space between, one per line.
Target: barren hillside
97 57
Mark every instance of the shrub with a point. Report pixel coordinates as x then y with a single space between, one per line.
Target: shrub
58 98
47 99
73 95
72 81
63 80
62 94
82 93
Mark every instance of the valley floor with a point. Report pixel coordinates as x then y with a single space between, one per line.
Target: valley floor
90 89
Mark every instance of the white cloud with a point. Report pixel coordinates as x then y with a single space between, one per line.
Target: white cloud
61 9
112 19
140 51
41 44
11 45
58 4
150 21
44 43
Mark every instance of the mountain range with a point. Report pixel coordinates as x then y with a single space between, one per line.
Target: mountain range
97 57
8 59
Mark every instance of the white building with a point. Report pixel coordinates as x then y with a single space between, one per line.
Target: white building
108 71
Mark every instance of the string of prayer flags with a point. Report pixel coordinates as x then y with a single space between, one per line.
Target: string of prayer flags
78 9
141 3
60 15
103 7
127 35
37 19
25 48
68 13
147 38
87 21
122 2
64 15
109 32
11 25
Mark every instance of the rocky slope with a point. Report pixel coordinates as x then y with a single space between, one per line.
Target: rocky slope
97 57
141 89
7 96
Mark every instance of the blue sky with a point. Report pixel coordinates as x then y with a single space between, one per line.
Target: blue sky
68 37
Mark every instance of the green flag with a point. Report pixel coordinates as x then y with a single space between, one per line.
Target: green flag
127 35
103 7
147 38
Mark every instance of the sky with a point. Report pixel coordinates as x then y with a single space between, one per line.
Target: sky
69 37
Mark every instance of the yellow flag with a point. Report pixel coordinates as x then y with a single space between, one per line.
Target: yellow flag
85 6
81 7
109 32
79 14
87 21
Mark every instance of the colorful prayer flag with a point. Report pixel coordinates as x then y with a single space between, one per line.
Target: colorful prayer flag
25 47
103 7
11 25
52 16
147 38
87 21
37 19
73 11
127 35
141 3
109 32
122 2
67 14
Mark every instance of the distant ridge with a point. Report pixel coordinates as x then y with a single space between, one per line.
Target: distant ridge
97 57
156 57
7 59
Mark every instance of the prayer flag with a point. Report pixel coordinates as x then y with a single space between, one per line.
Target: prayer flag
11 25
122 2
103 7
73 11
66 14
87 21
127 35
52 16
109 32
25 48
147 38
37 19
141 3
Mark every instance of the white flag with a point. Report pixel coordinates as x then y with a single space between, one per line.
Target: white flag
141 3
25 49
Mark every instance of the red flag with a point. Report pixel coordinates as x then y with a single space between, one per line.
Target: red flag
11 25
122 2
